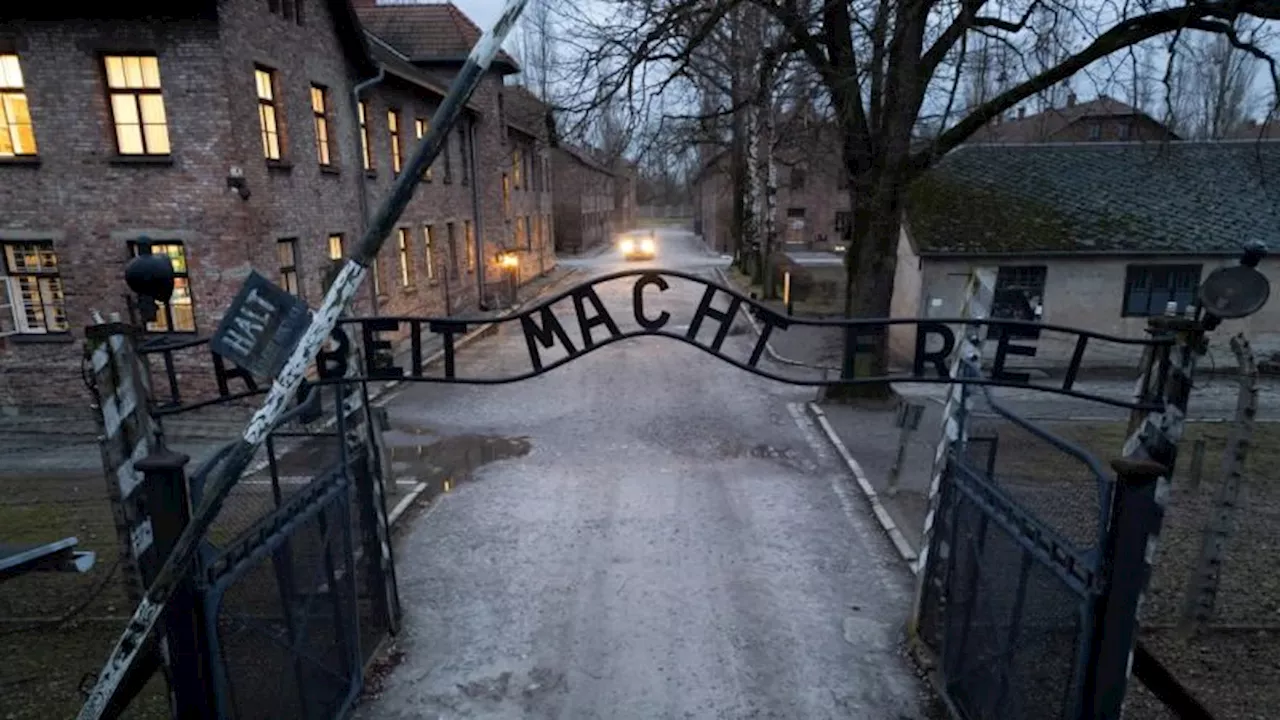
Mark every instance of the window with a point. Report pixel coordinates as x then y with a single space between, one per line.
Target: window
376 271
265 79
451 238
335 246
420 128
137 108
448 163
17 138
287 256
429 245
290 10
177 315
364 135
402 251
34 288
517 168
1149 288
844 225
397 152
464 148
1019 292
469 237
506 194
795 212
320 110
1095 130
521 238
797 178
1125 129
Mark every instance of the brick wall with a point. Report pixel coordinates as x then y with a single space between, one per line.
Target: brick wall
583 201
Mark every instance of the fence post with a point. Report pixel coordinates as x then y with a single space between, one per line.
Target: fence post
184 644
1135 517
1196 469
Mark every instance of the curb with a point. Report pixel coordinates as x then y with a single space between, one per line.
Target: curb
873 498
768 346
399 510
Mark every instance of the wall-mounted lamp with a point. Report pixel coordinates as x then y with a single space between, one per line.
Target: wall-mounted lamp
236 181
508 260
150 277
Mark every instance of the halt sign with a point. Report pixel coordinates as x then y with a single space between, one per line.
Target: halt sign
261 328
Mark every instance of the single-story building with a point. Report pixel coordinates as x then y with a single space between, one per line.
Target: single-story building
1098 236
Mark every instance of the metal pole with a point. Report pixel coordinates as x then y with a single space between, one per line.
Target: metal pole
340 294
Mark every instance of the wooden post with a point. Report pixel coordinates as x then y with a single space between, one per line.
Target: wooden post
1202 588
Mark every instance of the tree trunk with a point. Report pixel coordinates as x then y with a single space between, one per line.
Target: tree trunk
770 210
870 263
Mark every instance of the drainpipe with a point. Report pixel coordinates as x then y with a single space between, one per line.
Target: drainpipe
470 159
361 178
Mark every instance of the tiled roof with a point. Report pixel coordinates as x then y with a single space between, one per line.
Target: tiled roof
526 112
585 157
397 65
427 32
1042 126
1180 197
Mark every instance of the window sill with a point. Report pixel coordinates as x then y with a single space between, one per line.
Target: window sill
330 170
42 338
408 290
24 160
371 174
280 166
142 160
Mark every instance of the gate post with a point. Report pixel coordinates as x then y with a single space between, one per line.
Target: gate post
1135 516
184 645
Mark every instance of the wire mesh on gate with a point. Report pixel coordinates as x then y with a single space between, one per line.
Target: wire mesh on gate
283 610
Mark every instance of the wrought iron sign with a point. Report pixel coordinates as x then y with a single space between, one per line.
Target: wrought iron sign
578 321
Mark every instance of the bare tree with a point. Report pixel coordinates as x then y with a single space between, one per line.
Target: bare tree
880 62
1224 76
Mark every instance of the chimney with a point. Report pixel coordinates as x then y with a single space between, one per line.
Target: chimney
1022 112
1071 99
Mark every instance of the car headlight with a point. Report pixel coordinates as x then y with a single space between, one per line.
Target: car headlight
646 245
627 246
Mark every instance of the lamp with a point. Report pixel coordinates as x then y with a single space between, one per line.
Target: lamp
150 277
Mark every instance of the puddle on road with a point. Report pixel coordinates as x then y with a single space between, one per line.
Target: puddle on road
450 460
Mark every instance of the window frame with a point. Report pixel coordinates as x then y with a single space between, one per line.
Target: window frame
49 307
397 147
269 104
136 94
366 140
404 251
341 245
428 245
289 271
1167 272
517 167
506 194
469 237
321 125
165 309
421 127
10 126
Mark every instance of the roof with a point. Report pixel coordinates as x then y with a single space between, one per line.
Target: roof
525 111
399 66
437 33
1042 126
584 157
1098 198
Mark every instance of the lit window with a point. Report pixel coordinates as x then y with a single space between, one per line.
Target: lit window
393 127
506 194
267 117
335 246
320 109
364 135
34 288
16 134
517 168
470 238
429 245
526 229
287 255
521 234
420 127
137 107
402 249
177 315
376 272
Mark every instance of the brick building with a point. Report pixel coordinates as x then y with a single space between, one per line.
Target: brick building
584 200
1103 119
229 134
812 197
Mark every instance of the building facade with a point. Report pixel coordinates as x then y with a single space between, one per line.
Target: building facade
1098 236
584 200
228 135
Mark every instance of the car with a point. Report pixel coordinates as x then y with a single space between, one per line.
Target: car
639 246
